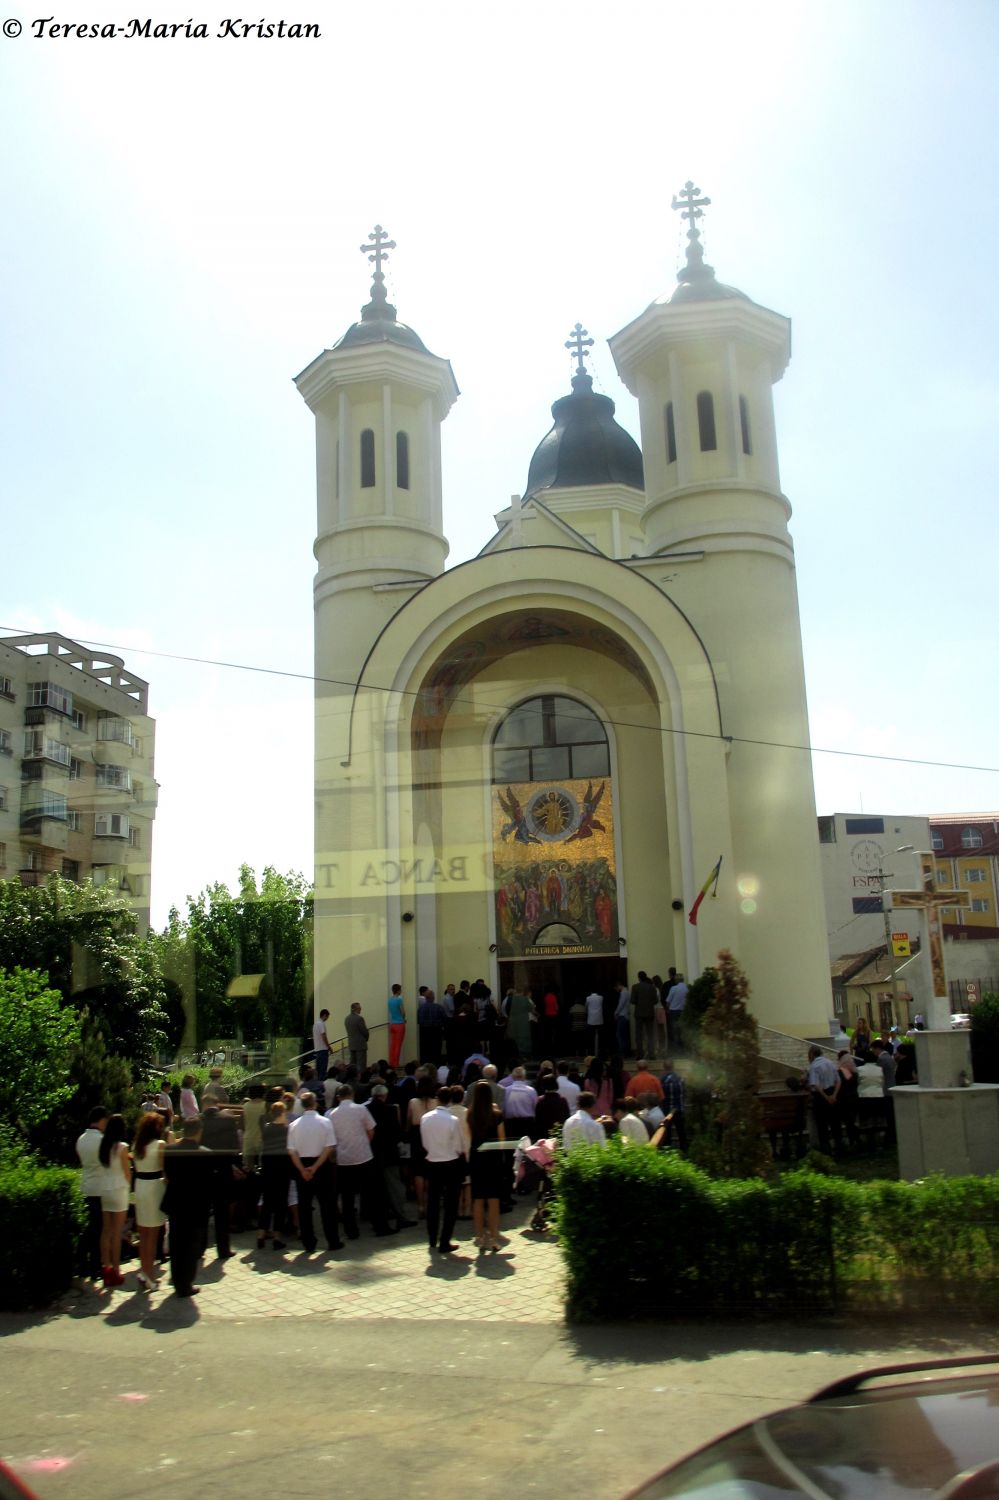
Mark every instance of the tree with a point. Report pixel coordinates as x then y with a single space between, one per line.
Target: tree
985 1039
730 1142
37 1032
93 1075
84 939
700 994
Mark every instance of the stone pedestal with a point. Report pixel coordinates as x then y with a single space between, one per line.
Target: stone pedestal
947 1124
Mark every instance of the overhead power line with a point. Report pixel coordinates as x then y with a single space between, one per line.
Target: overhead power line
351 686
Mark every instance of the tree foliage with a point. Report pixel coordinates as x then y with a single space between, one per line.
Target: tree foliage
37 1032
985 1039
84 939
729 1142
264 929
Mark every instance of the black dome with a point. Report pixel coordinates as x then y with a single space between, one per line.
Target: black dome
586 446
382 326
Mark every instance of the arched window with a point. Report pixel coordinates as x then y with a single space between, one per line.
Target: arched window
971 838
402 460
706 421
747 445
550 739
670 434
367 459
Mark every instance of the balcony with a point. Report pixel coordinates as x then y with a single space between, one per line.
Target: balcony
117 730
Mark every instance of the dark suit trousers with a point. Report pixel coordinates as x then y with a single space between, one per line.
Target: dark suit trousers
443 1190
91 1245
322 1190
187 1241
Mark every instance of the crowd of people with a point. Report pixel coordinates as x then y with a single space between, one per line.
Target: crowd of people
866 1068
430 1143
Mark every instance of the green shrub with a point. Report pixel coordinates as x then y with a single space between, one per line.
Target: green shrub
234 1079
43 1216
647 1233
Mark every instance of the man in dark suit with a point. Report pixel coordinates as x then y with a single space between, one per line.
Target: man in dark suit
221 1135
188 1169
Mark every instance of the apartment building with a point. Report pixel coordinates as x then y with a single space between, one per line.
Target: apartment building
966 857
77 792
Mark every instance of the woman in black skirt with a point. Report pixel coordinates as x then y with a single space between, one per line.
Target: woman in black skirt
275 1175
490 1170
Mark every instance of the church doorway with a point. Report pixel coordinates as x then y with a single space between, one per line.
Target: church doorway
572 979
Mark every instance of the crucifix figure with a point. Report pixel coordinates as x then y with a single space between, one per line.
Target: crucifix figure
577 345
929 900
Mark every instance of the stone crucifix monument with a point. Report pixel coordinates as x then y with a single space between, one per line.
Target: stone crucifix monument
947 1123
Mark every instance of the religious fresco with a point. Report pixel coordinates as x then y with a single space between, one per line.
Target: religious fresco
554 869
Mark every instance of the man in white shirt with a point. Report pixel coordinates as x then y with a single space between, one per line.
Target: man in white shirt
88 1155
519 1103
824 1081
570 1091
676 1001
629 1126
595 1019
583 1128
321 1045
353 1126
440 1132
311 1146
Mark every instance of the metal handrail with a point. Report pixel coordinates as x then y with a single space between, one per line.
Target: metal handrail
340 1045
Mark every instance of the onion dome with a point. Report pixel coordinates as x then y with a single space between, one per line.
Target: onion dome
586 445
378 322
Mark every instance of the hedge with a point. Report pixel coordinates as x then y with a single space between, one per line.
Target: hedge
645 1233
43 1217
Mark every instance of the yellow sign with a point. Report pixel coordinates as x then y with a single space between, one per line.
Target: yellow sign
900 945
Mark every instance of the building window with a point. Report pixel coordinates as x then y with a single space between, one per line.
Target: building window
864 904
38 747
864 825
402 460
75 769
111 826
747 446
971 839
116 776
79 718
827 830
50 695
41 803
974 877
73 822
979 905
367 459
670 434
550 739
938 840
5 745
71 869
6 688
706 421
111 727
133 836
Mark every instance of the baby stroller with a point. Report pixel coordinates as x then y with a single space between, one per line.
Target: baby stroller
533 1165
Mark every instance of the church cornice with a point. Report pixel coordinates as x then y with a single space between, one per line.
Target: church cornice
663 324
378 364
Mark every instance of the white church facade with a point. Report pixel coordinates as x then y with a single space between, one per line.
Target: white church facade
528 765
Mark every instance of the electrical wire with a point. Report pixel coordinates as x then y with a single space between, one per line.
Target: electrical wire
728 739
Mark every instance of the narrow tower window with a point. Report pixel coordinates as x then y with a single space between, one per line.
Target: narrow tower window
747 445
670 434
368 459
706 420
402 460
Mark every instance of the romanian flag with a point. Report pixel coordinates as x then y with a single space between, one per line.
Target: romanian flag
711 884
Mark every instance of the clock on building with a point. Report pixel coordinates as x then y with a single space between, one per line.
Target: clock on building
867 855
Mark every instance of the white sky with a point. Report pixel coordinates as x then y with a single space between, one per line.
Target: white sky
180 231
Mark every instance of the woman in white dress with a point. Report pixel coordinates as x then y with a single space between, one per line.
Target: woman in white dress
147 1155
116 1181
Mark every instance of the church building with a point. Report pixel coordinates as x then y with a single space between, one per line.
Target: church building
531 765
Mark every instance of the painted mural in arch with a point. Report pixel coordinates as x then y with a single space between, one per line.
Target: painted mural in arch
554 869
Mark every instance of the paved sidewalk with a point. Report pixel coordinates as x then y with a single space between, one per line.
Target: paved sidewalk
371 1278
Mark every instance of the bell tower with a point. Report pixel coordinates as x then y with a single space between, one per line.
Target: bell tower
702 363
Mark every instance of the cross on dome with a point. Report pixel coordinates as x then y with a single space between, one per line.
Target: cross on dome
377 252
577 346
691 207
382 246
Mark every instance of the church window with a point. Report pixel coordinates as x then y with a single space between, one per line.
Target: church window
402 460
971 839
550 739
367 459
747 445
706 421
670 434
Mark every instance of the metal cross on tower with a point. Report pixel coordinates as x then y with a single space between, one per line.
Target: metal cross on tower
379 251
577 345
691 207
